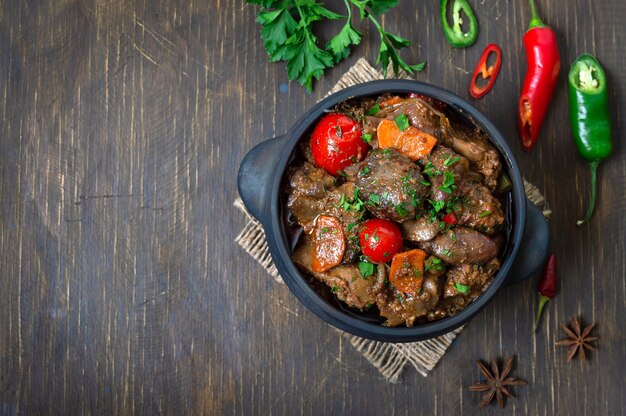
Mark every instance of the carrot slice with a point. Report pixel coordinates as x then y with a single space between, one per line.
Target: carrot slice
387 133
407 271
329 243
390 101
412 142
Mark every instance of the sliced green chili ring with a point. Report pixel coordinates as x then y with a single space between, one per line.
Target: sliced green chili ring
590 119
455 35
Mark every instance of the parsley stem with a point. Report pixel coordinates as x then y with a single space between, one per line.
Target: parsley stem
307 31
349 7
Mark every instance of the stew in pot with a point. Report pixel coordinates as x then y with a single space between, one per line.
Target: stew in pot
398 207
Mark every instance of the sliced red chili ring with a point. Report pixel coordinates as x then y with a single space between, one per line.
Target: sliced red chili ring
450 219
488 73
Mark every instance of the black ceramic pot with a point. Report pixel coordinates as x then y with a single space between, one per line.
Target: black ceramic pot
259 182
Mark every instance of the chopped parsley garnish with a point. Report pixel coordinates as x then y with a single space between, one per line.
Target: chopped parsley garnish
351 226
437 205
451 161
429 170
366 268
445 252
342 173
401 210
402 122
334 289
452 203
386 152
364 171
356 205
448 182
433 263
424 182
374 199
461 288
366 137
484 214
417 272
375 109
324 230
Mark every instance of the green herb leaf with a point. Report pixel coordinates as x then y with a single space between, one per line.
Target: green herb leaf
374 199
367 137
287 33
401 210
334 289
433 263
339 46
437 205
484 214
382 6
402 121
461 288
448 179
276 27
366 268
429 170
398 42
451 161
374 110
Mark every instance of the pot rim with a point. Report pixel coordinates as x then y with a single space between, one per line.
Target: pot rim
296 281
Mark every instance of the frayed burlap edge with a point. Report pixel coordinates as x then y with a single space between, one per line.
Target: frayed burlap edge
390 359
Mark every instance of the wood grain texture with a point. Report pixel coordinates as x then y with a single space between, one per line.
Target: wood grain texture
122 126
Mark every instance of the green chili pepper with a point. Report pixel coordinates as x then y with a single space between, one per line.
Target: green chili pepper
454 33
589 116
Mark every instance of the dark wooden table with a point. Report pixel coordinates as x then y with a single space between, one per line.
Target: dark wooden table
122 125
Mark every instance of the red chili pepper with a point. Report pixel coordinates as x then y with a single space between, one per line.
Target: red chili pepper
547 287
450 218
544 63
489 74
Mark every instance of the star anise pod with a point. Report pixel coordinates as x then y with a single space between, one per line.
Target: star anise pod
496 383
577 341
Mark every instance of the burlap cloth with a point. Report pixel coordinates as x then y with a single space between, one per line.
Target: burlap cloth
390 359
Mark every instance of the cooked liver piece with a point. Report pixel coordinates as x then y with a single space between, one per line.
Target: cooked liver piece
462 245
389 183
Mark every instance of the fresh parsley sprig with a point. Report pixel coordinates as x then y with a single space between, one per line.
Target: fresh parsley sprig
286 30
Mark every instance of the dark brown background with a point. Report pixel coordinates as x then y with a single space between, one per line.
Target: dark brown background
122 127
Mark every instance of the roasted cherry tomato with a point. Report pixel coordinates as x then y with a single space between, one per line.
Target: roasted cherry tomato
337 142
380 240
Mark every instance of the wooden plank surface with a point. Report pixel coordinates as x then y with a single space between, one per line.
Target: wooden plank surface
122 126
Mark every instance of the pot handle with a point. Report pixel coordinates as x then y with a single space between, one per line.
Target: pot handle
534 245
256 173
